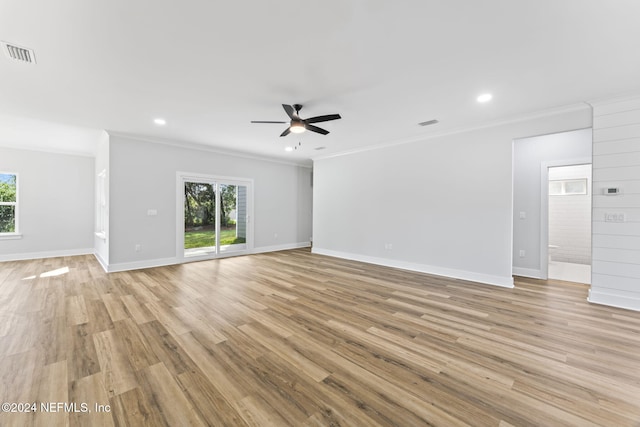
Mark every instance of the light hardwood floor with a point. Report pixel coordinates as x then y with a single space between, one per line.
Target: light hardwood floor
295 339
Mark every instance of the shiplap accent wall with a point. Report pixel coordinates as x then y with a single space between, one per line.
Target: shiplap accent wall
616 163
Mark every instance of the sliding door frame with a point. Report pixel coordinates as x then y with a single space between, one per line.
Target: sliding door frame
181 178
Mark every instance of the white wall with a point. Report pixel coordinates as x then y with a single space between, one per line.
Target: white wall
531 158
56 204
143 176
443 204
616 163
570 217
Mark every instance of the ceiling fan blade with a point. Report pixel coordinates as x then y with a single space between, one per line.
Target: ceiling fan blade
325 118
286 132
266 121
290 111
316 129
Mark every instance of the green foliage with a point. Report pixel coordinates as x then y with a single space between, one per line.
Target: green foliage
207 238
199 204
228 198
7 219
8 190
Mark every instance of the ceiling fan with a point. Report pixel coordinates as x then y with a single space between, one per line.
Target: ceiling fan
299 125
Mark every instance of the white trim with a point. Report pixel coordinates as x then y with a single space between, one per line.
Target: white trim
613 300
161 262
137 265
48 254
628 96
52 150
10 236
527 272
102 262
464 129
284 247
505 282
209 149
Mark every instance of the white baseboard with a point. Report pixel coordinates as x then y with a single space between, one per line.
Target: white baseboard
527 272
620 301
46 254
284 247
103 264
505 282
137 265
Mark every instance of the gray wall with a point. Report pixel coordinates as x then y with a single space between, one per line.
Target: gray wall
56 202
143 176
530 157
442 205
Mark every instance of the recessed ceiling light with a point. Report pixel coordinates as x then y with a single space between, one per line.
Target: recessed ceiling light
160 122
288 148
485 97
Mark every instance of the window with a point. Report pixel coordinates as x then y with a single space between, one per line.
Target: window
568 187
8 204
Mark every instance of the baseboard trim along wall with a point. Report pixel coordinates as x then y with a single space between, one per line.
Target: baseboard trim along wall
620 301
284 247
46 254
505 282
137 265
527 272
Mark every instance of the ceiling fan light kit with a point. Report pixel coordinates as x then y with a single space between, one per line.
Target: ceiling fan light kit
299 125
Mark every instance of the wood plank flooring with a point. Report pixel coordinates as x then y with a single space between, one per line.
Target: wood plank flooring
295 339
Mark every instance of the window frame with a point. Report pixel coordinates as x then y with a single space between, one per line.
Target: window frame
16 217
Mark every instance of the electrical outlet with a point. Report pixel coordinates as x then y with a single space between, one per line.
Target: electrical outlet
388 246
614 217
521 253
138 247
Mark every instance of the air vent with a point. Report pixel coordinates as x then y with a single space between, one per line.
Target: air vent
19 53
428 122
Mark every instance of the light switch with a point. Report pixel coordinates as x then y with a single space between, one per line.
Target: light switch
152 212
523 215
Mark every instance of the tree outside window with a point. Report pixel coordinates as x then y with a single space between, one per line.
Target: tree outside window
8 202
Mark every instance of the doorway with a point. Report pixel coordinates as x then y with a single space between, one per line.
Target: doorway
569 223
213 216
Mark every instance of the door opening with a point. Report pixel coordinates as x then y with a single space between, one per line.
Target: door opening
569 223
213 216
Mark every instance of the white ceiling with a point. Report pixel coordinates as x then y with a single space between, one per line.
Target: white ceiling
210 67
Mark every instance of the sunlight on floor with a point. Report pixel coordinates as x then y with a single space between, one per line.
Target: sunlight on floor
52 273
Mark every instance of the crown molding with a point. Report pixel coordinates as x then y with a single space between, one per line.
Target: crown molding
464 129
207 148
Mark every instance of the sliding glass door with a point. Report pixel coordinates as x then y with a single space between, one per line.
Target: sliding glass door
233 218
213 216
